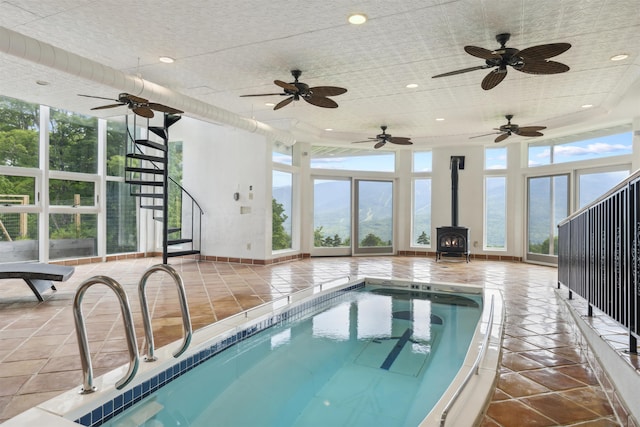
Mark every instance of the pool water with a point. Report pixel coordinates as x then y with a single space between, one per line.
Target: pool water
380 357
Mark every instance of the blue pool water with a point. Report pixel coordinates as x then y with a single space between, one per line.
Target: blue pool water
380 357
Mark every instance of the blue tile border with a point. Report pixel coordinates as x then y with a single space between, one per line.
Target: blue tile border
128 398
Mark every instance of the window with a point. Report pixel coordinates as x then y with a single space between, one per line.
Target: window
616 144
282 154
282 192
422 161
64 192
73 142
19 133
495 158
421 234
72 235
351 159
495 212
548 204
592 185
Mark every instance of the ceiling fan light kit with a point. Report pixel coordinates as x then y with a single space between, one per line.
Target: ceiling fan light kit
506 130
138 105
384 137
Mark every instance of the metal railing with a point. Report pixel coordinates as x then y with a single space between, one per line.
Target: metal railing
81 333
146 318
475 368
599 255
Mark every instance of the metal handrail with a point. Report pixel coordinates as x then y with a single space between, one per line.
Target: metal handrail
81 333
146 317
474 369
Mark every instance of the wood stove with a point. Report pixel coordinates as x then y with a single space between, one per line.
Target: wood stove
453 240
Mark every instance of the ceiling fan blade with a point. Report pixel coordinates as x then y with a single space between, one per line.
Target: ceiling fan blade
531 128
486 134
480 52
263 94
542 67
493 78
281 104
366 140
327 90
164 108
464 70
400 140
528 133
321 101
127 96
98 97
544 51
107 106
502 137
144 112
286 86
380 144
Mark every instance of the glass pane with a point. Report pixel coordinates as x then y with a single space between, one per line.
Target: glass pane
495 215
495 158
539 155
122 224
351 159
72 235
281 205
19 133
282 153
73 142
71 193
17 190
375 213
422 161
18 237
421 212
116 147
605 146
331 213
594 185
548 205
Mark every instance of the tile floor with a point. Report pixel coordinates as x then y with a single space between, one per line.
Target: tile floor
545 378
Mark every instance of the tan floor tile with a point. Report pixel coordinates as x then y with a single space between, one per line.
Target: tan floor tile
559 408
552 379
513 413
516 385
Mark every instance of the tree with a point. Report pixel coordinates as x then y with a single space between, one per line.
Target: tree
372 240
279 237
423 239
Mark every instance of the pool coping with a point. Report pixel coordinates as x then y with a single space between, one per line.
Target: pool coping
73 409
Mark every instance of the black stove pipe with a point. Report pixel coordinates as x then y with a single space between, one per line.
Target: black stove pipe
457 163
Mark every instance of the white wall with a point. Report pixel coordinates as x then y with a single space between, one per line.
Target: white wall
218 162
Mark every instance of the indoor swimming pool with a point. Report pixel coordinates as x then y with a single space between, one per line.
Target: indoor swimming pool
374 352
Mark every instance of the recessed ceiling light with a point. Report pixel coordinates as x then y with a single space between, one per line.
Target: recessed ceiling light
619 57
42 82
269 104
586 106
357 18
328 129
167 59
440 119
412 85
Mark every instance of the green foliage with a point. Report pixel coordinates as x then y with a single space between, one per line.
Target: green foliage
73 142
373 240
280 239
543 248
423 239
320 240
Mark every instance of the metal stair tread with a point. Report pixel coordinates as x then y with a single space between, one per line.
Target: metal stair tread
141 182
178 241
152 144
182 253
146 157
143 170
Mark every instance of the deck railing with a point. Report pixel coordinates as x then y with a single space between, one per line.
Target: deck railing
599 255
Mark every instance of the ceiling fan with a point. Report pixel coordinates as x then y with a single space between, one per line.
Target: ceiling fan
313 95
384 137
140 106
532 60
506 130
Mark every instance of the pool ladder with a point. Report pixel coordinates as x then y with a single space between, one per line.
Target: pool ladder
132 344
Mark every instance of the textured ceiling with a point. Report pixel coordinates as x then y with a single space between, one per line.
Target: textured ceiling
224 49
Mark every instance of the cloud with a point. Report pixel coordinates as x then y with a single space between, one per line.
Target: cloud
597 148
